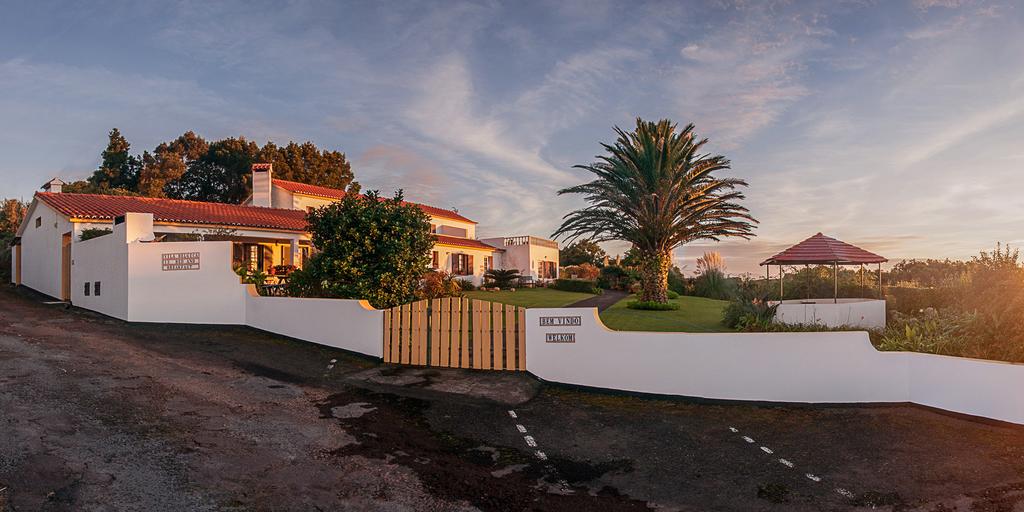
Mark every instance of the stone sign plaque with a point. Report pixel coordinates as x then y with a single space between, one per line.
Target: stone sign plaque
179 261
560 337
561 321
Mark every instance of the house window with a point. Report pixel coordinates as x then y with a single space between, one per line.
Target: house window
547 269
304 251
433 228
462 264
87 289
96 288
39 221
434 256
488 263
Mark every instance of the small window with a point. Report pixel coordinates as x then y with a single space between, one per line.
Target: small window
434 255
433 228
39 221
86 289
96 288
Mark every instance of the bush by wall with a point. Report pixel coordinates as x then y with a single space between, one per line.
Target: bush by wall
651 305
575 285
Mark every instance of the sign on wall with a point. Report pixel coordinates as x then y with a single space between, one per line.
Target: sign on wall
561 321
179 261
560 337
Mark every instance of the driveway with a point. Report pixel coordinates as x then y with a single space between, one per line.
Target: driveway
103 415
602 301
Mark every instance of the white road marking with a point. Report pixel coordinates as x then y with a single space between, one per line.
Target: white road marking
530 441
844 492
767 450
334 361
733 430
512 414
541 455
813 478
330 366
786 463
521 428
747 439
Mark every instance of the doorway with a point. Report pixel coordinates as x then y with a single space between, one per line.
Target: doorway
65 265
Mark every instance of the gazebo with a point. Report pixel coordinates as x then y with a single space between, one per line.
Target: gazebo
823 250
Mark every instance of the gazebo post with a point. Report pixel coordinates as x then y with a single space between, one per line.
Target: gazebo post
835 282
880 281
782 291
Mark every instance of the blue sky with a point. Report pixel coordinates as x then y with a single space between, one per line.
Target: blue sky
893 125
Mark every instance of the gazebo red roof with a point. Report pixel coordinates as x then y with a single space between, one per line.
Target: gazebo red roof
820 249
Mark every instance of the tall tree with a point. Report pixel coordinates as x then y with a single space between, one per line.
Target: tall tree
119 169
656 190
369 247
220 175
582 251
12 212
168 163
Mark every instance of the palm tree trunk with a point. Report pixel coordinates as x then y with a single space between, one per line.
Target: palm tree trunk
654 277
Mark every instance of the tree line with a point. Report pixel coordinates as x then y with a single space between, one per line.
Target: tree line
190 167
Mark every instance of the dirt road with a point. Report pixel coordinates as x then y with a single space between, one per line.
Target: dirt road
97 414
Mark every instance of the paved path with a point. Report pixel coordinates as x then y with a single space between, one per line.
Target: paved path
601 302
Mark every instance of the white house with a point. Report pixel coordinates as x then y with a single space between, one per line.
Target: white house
269 229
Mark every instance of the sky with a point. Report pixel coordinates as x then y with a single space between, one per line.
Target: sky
896 126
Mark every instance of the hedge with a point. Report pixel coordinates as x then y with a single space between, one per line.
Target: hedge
575 285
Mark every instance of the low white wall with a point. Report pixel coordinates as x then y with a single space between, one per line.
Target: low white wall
813 367
210 294
347 324
828 367
869 314
102 260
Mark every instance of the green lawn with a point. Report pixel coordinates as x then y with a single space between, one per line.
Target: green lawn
695 314
531 297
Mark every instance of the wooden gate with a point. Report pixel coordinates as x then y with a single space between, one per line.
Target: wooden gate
456 333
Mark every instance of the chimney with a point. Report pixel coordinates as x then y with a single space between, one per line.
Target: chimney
55 185
261 184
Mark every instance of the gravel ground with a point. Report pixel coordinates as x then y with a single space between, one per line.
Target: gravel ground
98 414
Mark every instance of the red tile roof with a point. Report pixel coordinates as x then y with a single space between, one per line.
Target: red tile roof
820 249
104 207
333 193
465 242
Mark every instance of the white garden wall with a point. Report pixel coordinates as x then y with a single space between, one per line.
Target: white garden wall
866 313
347 324
102 260
209 294
815 367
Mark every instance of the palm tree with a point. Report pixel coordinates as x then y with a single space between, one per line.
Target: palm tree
656 190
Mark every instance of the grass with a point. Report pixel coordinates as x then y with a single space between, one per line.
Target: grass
695 314
531 297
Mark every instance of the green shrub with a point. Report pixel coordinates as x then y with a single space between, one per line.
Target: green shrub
910 301
438 284
90 233
575 285
933 332
614 277
650 305
466 284
714 284
501 278
672 295
750 313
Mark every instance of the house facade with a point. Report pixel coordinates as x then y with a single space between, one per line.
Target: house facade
53 254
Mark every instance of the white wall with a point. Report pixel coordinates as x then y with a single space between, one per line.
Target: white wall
869 314
347 324
813 367
41 249
210 295
105 260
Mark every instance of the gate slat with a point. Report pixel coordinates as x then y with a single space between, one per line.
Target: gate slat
465 341
405 335
478 336
521 339
510 337
435 332
485 340
445 343
396 339
495 352
387 335
423 331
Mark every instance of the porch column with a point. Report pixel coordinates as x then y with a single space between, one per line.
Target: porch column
296 255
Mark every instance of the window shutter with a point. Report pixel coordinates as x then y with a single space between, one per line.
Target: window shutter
469 267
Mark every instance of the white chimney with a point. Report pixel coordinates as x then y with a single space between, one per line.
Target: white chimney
55 185
262 184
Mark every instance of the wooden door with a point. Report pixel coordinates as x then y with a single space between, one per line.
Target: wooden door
65 272
17 264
